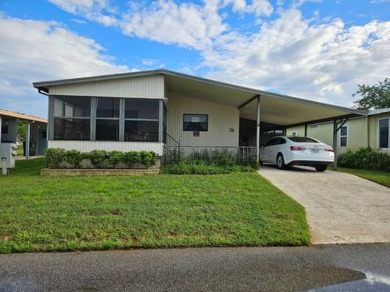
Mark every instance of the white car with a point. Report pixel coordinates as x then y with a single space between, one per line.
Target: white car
289 151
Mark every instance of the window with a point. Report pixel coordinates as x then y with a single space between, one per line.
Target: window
303 140
71 129
195 122
4 126
142 120
344 136
71 118
107 119
384 133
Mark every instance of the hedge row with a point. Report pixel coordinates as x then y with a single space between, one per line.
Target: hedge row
365 158
56 157
202 168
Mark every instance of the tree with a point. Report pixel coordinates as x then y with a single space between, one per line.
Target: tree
373 97
21 130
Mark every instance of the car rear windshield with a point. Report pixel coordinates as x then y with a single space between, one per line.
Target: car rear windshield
302 140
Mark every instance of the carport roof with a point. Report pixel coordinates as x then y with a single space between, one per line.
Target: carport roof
20 116
277 109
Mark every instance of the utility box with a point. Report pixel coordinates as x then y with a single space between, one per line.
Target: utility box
7 157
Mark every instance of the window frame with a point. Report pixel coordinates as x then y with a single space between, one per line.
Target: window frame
344 136
64 116
388 133
196 130
93 118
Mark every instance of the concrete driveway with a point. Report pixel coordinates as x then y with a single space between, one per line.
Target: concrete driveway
341 208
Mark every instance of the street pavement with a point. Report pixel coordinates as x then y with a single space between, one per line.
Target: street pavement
316 268
340 207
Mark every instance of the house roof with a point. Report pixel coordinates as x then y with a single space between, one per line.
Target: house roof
276 109
11 114
379 111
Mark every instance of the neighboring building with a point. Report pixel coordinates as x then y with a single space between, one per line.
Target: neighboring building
372 130
36 129
149 110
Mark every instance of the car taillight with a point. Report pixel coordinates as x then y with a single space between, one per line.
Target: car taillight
297 148
329 149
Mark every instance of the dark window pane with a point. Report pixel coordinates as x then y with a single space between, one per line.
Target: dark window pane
344 131
384 133
107 130
141 131
71 129
302 140
107 108
194 122
136 108
384 123
343 141
4 126
72 107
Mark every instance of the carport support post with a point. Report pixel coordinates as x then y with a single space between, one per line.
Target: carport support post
335 144
258 130
27 150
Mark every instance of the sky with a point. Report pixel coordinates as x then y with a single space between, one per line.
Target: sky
313 49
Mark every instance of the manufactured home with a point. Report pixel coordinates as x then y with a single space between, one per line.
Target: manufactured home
151 110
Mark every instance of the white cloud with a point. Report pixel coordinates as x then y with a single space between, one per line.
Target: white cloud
34 51
187 25
258 7
320 59
294 56
96 10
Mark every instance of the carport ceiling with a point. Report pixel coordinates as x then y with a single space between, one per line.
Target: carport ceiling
276 109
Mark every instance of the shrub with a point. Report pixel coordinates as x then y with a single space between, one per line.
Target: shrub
73 157
131 158
365 158
115 157
98 157
54 157
202 168
148 158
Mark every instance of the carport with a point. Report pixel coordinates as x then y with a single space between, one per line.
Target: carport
262 113
36 127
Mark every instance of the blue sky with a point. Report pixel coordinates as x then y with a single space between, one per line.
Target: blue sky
312 49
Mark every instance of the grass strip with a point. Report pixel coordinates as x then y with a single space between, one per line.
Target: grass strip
376 176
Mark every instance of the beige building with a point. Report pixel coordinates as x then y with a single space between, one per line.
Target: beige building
151 110
372 130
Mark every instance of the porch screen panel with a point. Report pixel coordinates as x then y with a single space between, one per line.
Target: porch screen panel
107 119
141 120
71 118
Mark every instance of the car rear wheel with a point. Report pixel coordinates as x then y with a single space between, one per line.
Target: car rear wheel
321 168
280 161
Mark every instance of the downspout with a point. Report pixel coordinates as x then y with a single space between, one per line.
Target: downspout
42 92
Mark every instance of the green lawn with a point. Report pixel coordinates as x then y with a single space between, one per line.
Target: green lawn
379 177
147 211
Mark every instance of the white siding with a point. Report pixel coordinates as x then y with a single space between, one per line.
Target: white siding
140 87
221 118
87 146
